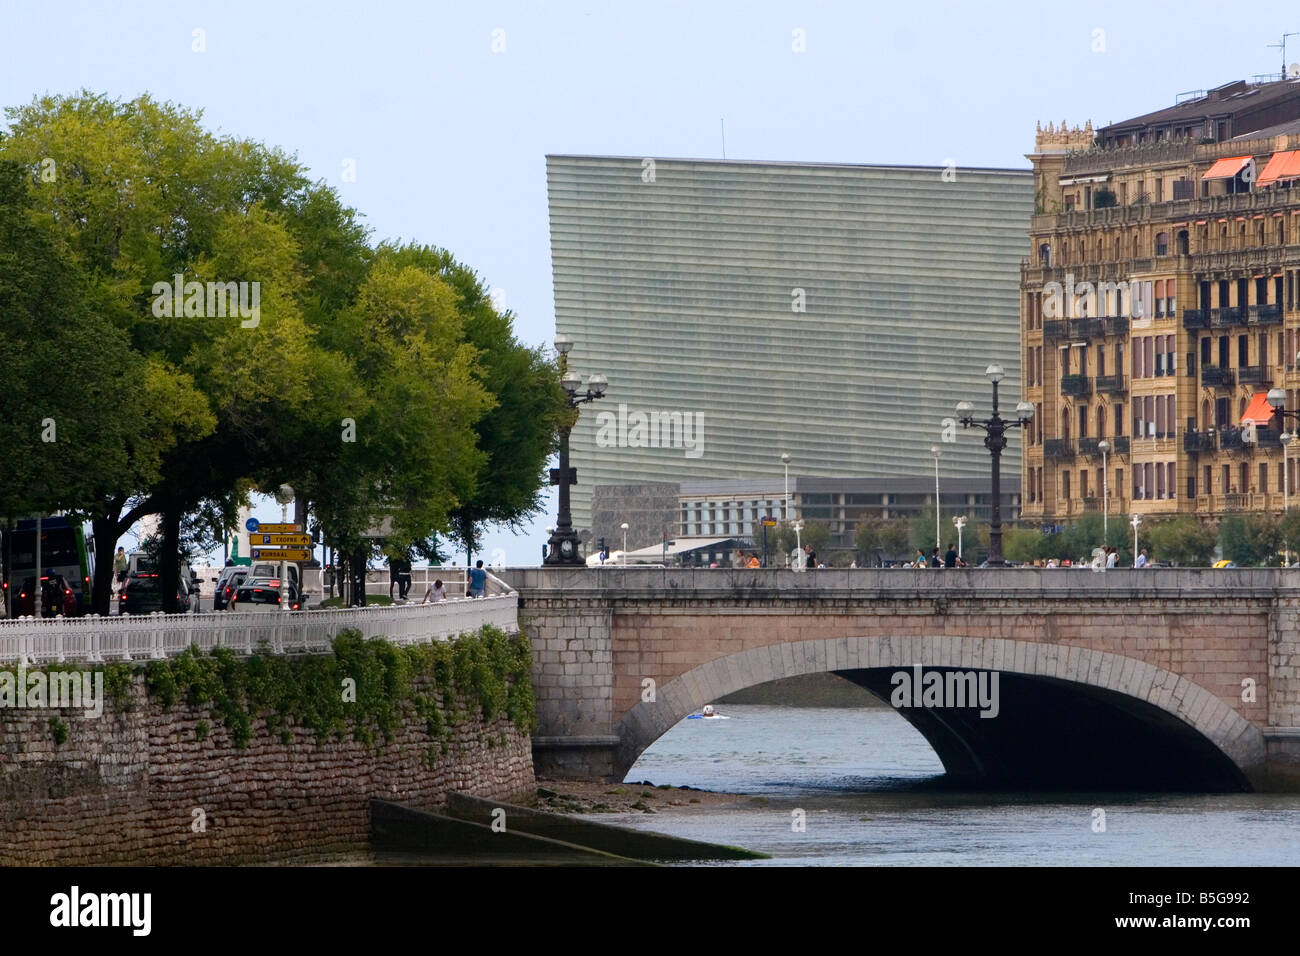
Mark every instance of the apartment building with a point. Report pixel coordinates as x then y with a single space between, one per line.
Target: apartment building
1159 306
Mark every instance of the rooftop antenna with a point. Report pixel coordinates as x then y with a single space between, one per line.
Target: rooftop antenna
723 124
1282 46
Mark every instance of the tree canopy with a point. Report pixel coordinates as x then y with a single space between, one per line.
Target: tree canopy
235 329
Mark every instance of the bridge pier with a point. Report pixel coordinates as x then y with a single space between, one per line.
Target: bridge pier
1169 678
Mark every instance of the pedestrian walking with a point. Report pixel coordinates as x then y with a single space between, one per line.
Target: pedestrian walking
950 557
1142 561
120 566
810 557
477 581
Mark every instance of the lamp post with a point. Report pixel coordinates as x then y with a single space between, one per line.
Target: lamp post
934 450
1277 398
284 495
785 503
562 548
624 527
1103 446
1135 521
1285 439
960 522
995 440
798 543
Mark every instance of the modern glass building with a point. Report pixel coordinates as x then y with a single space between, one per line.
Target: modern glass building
745 309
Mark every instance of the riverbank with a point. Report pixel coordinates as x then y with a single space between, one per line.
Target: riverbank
594 797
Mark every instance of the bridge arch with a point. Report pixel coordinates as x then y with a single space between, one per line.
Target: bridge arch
1138 721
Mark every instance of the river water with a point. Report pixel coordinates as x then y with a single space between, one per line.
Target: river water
869 791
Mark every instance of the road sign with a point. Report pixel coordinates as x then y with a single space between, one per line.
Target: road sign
281 554
769 522
278 529
251 524
280 540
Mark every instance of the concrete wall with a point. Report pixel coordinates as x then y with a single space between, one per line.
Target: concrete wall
137 785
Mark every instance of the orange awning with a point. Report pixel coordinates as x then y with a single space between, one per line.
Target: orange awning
1227 168
1285 165
1259 411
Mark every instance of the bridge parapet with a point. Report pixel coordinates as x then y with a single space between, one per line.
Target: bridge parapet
95 638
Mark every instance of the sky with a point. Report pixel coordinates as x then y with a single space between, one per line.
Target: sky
446 111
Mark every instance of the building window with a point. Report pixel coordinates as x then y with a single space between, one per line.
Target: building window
1162 238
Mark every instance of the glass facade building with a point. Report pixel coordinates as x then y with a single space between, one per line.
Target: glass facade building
745 309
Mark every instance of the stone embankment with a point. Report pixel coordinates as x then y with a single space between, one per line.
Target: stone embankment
206 783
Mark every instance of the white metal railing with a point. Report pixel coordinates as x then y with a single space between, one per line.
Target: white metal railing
154 636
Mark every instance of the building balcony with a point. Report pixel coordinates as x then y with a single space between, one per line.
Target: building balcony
1088 447
1227 318
1268 437
1199 441
1119 445
1254 375
1075 385
1091 506
1269 313
1115 325
1194 319
1214 377
1061 448
1055 330
1230 439
1087 329
1110 384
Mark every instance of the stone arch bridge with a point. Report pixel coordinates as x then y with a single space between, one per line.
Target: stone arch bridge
1152 679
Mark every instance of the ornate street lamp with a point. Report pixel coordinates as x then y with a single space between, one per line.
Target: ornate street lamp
995 440
960 522
934 450
1103 446
1136 522
1277 398
562 548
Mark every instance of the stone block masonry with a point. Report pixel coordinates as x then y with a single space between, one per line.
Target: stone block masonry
144 784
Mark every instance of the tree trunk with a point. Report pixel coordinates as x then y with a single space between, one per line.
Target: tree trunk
6 560
106 532
169 559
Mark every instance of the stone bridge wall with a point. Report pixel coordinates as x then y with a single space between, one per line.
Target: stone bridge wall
129 786
598 634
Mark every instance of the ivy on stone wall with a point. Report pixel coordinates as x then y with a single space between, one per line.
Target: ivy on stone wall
367 688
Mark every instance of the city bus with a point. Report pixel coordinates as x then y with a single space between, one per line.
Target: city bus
67 548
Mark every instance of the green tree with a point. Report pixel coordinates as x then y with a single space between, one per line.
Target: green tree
1022 544
1183 540
70 422
519 431
1250 540
876 538
817 534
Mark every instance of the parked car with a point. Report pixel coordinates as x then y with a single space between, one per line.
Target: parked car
263 594
142 595
56 597
1225 563
227 584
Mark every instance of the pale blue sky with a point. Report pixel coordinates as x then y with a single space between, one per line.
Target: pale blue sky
449 137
